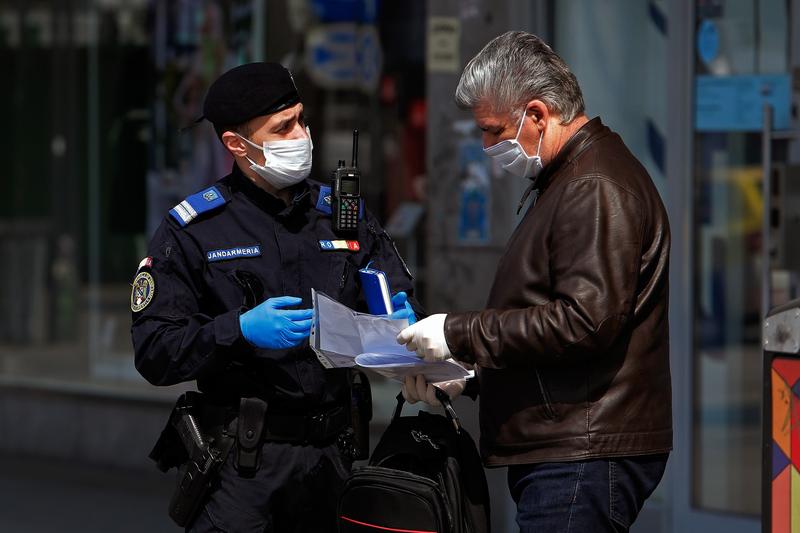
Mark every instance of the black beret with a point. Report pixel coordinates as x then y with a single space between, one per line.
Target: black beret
249 91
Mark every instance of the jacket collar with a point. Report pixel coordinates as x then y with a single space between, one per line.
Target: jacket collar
575 145
265 200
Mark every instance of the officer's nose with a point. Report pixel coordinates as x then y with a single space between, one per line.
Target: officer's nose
299 131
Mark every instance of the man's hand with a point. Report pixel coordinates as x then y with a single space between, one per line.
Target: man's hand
402 308
270 325
426 337
416 389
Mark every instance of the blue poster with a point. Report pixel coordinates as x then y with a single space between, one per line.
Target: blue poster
735 103
473 221
475 194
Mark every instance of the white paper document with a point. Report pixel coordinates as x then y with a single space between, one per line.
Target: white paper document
342 337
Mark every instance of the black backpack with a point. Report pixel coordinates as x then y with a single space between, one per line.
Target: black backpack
425 475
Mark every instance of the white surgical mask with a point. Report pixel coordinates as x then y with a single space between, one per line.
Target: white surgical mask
286 162
512 157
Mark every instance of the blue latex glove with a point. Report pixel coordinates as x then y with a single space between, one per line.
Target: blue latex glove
402 308
270 325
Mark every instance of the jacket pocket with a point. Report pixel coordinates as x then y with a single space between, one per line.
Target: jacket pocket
341 283
251 286
548 404
345 274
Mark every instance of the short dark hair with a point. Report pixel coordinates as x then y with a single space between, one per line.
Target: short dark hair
242 129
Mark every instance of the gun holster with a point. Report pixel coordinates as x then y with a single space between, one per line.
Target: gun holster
195 479
183 444
170 450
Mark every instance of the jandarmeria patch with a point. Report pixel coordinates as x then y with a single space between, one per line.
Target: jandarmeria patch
142 291
233 253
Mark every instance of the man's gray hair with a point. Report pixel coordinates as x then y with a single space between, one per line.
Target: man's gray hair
515 68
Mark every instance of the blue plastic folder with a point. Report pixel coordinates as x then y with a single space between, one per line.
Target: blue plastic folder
376 291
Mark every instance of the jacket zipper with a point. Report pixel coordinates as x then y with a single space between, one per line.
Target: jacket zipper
345 272
548 406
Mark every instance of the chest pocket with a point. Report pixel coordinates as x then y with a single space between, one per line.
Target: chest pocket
343 281
251 287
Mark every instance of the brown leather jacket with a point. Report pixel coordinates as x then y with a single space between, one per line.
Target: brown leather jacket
573 347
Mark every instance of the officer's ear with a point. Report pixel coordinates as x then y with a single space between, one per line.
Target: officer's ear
234 144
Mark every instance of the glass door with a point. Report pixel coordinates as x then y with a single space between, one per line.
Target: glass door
739 262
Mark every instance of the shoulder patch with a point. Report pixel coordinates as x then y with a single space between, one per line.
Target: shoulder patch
147 262
326 199
196 204
142 291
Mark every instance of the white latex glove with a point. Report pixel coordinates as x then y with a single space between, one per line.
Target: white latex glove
426 337
416 389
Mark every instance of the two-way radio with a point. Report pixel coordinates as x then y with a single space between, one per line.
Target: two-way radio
346 193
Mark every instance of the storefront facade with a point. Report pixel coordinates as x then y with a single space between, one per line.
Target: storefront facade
100 89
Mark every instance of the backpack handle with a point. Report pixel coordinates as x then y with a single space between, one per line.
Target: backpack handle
443 398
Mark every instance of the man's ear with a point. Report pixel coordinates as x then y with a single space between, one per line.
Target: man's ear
538 111
234 144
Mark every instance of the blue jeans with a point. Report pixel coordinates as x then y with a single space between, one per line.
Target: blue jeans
584 496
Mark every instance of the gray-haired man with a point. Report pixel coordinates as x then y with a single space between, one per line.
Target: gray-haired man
572 350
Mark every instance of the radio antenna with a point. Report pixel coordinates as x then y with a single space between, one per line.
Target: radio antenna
355 149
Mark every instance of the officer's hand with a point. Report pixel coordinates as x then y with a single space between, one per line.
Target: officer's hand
270 325
402 308
426 337
416 389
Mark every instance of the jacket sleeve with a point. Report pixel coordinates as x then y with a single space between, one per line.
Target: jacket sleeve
173 339
595 247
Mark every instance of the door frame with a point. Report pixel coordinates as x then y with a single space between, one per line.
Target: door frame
683 515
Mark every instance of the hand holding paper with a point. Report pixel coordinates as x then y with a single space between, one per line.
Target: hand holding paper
426 337
342 337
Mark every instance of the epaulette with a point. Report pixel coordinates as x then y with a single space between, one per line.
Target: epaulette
196 204
324 202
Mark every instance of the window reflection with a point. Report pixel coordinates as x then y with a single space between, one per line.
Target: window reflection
731 39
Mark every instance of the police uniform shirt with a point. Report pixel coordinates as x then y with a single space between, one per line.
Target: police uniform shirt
206 268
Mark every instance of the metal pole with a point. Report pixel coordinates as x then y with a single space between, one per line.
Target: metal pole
257 40
766 230
94 197
766 294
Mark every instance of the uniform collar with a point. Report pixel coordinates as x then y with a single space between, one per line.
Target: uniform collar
271 204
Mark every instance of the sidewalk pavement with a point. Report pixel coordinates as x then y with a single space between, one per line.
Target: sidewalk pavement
40 495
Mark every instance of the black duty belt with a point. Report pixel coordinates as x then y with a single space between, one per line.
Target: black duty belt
282 427
306 428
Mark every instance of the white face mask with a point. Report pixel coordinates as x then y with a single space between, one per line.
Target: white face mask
286 162
512 157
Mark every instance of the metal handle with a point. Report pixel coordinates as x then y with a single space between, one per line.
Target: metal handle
446 404
766 230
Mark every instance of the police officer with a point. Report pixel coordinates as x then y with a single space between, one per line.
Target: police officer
224 298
